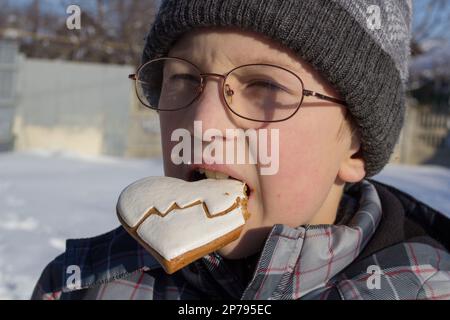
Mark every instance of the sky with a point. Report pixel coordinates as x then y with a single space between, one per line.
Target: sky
420 12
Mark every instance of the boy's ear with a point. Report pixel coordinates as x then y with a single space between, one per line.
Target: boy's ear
352 167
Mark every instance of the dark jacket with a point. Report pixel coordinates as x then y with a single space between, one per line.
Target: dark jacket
385 245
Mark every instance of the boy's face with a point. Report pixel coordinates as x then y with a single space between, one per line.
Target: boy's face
314 159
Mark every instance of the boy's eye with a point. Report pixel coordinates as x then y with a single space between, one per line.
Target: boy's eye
267 85
185 77
264 84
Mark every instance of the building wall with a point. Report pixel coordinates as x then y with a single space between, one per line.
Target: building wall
78 107
8 75
425 136
144 138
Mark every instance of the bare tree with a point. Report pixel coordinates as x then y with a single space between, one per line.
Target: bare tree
112 31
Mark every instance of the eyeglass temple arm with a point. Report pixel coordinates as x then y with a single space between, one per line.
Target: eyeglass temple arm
323 97
132 76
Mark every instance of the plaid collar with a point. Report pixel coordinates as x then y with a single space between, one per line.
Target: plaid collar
293 262
296 261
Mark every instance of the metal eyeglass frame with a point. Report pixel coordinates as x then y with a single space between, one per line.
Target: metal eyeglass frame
203 76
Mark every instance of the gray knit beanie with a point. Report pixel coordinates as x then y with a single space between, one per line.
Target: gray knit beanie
360 46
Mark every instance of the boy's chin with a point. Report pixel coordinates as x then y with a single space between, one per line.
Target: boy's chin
249 243
231 251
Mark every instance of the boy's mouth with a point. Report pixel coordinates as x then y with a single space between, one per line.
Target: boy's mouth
202 173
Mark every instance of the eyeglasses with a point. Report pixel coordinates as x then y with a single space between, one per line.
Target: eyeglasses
255 92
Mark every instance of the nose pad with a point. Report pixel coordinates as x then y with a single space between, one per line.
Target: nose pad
200 88
207 98
229 94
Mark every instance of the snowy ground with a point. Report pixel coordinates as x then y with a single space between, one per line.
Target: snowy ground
49 197
430 184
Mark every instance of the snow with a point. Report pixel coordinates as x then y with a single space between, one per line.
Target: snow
429 184
49 197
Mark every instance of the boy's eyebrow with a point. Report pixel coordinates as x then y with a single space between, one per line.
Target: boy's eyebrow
242 60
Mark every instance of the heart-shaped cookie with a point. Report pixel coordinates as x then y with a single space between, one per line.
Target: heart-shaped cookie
178 221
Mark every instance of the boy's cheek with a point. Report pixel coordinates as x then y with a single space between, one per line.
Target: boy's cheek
170 169
291 195
283 201
292 199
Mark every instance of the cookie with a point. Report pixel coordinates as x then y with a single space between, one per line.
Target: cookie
179 222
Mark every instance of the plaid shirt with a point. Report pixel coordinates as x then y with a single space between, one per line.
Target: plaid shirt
307 262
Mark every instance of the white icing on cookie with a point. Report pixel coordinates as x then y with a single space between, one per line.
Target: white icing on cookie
162 192
187 229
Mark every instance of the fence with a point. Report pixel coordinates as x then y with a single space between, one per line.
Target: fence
86 108
426 135
8 77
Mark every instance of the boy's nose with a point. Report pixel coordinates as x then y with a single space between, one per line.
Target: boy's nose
210 107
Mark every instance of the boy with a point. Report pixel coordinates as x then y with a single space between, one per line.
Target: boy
332 84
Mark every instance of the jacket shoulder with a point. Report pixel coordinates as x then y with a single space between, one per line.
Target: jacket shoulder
406 271
433 223
90 262
49 285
